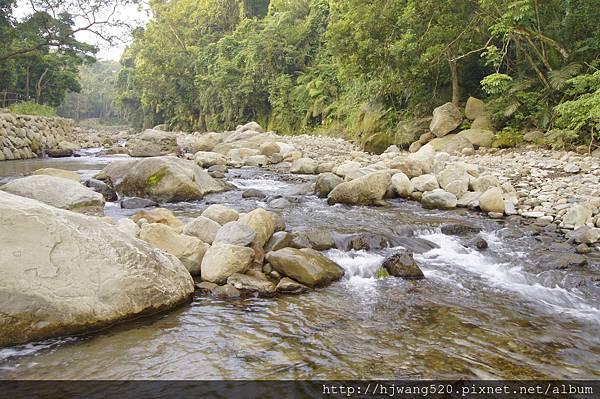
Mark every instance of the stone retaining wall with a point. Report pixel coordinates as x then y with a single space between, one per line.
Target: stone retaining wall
26 136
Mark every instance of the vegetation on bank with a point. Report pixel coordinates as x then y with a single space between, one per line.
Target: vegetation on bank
40 51
32 108
365 70
362 68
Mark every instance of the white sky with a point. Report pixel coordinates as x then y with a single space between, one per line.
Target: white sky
134 14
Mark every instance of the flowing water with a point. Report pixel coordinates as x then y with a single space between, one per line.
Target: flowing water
498 313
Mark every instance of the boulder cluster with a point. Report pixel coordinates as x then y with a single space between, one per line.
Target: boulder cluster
445 133
235 254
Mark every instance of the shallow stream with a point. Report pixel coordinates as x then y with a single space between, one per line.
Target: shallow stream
499 313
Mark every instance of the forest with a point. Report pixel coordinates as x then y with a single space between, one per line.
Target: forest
361 70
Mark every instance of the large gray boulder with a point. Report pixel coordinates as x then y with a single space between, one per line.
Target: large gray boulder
306 266
65 174
206 159
235 233
207 141
455 179
252 284
252 126
325 183
163 179
263 222
222 260
474 108
402 185
203 228
306 166
439 199
58 192
478 137
577 216
425 183
189 250
365 190
220 214
65 273
446 118
492 200
451 144
153 143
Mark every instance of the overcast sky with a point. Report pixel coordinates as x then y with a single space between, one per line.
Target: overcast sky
133 14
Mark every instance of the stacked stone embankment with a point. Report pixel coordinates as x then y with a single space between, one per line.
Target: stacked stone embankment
26 136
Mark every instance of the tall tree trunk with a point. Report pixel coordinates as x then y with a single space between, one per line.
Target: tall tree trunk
453 64
27 85
38 86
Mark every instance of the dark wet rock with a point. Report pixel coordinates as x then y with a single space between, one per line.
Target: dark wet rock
481 244
583 249
267 268
101 187
247 284
460 229
136 203
254 193
217 168
402 264
584 235
217 174
306 266
288 286
205 287
226 291
415 244
320 239
559 261
364 241
59 153
280 203
300 240
326 182
279 240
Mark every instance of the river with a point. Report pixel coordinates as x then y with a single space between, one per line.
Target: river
498 313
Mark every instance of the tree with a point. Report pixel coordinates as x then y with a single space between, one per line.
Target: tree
54 24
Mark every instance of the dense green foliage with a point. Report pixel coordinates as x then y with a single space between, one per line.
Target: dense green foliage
32 108
360 68
96 100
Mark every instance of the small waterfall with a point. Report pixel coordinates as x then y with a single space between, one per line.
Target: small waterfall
454 260
359 265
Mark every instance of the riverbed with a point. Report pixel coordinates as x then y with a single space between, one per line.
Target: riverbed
497 313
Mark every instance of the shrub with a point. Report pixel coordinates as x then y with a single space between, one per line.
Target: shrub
508 137
32 108
579 117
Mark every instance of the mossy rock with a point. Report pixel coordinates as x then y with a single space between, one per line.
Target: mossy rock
155 178
378 143
382 273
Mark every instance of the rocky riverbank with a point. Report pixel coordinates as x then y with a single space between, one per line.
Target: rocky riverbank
556 189
235 254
